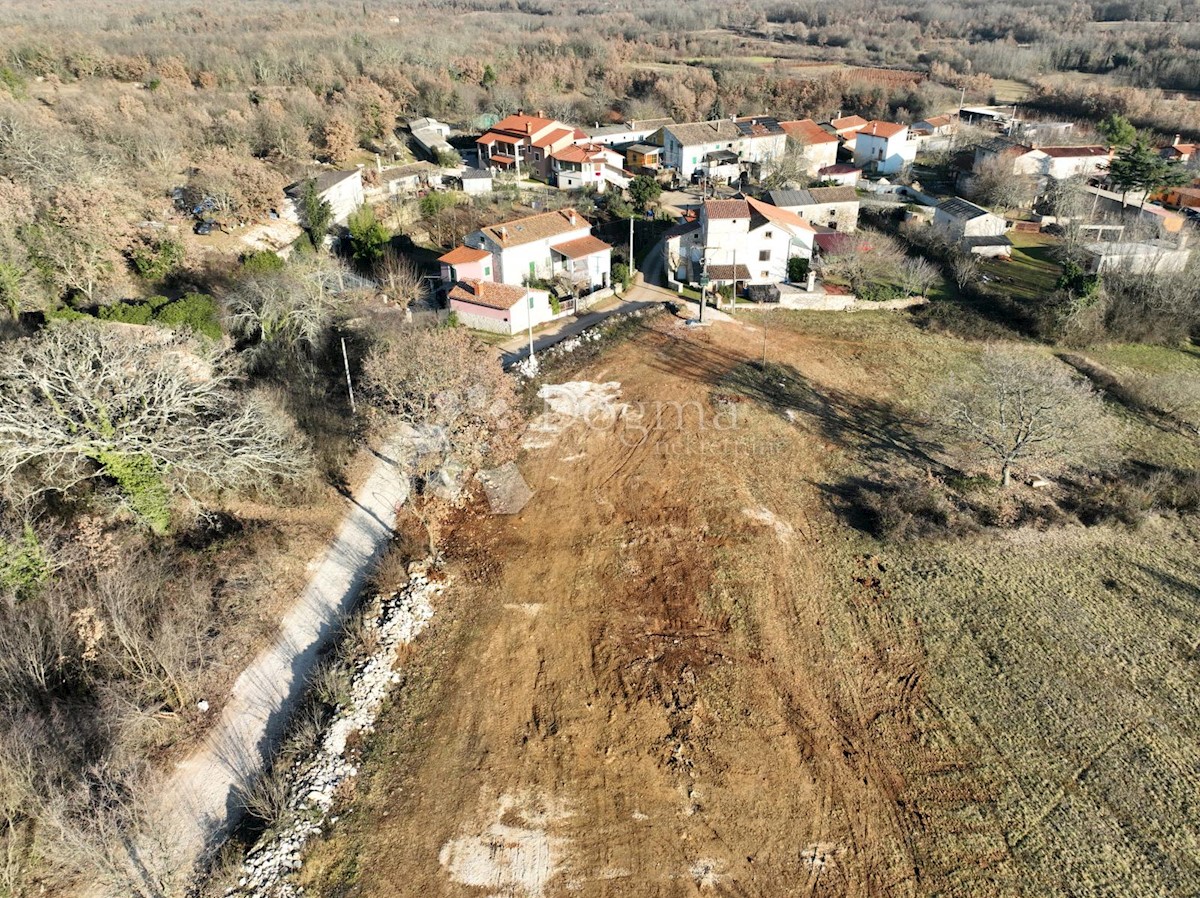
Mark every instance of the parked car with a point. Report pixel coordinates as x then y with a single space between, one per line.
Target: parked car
204 228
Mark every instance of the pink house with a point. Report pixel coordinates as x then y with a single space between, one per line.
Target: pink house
466 262
499 308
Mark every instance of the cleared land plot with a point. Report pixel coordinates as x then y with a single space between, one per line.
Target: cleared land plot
679 671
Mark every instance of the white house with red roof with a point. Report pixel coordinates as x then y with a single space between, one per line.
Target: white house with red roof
816 145
744 241
845 128
525 143
885 147
551 246
589 165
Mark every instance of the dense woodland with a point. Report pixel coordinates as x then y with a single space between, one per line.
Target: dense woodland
136 573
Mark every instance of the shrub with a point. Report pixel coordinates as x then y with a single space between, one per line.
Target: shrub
142 486
154 258
196 312
24 565
797 269
126 313
620 275
262 261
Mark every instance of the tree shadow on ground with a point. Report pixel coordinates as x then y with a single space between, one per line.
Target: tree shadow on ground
883 435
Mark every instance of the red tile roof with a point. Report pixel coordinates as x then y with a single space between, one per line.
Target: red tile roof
581 247
554 137
726 209
807 131
488 294
535 227
586 152
460 255
841 168
886 130
779 216
848 123
1074 152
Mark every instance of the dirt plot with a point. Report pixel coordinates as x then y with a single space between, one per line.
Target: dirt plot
676 672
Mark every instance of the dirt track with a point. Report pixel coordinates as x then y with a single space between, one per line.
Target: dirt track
653 692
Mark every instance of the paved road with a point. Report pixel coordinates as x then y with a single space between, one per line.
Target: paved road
199 801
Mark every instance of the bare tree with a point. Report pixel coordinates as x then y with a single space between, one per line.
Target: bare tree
995 183
918 275
292 308
1024 409
447 379
157 416
965 268
400 279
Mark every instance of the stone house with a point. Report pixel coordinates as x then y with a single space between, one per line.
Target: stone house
835 208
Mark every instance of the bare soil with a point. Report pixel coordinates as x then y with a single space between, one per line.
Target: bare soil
678 672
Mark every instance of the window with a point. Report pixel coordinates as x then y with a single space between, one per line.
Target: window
487 271
764 255
768 235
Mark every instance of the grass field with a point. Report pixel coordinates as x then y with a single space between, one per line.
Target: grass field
1031 273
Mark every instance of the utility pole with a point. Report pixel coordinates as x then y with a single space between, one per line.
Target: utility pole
632 266
349 386
703 283
529 321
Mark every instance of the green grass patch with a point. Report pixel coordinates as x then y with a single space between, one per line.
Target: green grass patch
1031 273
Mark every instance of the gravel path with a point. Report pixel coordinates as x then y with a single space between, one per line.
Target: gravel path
199 800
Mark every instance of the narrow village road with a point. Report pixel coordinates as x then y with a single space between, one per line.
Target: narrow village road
199 801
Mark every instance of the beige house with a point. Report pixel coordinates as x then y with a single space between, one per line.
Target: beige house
816 145
960 220
343 190
525 143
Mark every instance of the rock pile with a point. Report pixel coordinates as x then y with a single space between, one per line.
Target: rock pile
269 866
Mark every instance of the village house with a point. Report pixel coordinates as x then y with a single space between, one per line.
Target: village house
524 143
816 145
343 190
501 308
843 174
405 179
620 135
965 224
744 242
885 147
934 126
1178 151
722 147
589 165
1061 163
845 128
835 208
544 247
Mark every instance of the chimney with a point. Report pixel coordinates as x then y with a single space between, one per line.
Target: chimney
529 127
503 233
541 114
1175 142
596 125
571 216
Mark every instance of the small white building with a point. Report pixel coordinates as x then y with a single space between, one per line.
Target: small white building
959 219
841 174
430 135
1148 257
845 128
343 190
885 147
626 133
589 165
476 181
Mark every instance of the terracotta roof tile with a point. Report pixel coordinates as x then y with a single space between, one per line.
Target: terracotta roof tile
535 227
554 137
848 123
461 255
487 293
885 130
779 216
1074 152
727 209
580 247
807 131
